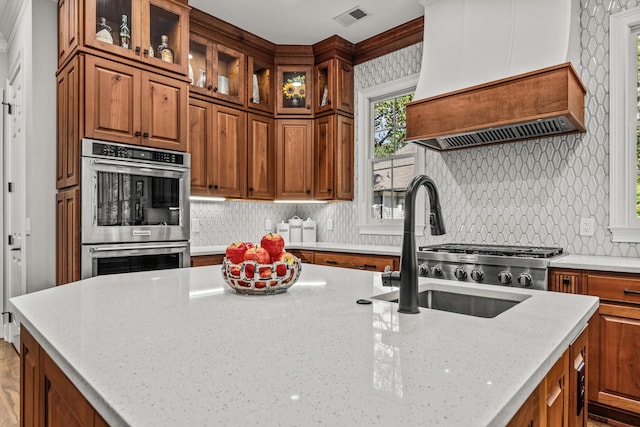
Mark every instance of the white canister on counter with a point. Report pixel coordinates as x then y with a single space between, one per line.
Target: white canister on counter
309 231
295 229
282 228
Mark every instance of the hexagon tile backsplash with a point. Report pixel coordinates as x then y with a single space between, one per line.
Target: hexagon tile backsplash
522 193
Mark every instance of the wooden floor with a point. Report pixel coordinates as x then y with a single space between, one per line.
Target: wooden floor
10 387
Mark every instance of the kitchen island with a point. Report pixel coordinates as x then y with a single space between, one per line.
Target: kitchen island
178 347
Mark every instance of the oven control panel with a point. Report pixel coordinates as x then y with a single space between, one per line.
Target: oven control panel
102 149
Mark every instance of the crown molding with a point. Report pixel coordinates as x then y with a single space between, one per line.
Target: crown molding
13 11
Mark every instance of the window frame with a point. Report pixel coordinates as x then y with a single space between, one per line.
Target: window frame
366 98
624 222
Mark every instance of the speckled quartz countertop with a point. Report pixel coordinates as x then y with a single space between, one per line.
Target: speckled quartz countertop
602 263
319 246
177 347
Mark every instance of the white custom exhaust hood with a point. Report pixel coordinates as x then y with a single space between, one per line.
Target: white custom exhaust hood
497 71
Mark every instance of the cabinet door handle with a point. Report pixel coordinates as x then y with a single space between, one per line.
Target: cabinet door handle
210 87
328 190
215 89
215 187
138 50
146 134
308 106
328 102
566 281
250 99
371 267
138 133
631 291
146 51
330 261
118 77
308 191
250 190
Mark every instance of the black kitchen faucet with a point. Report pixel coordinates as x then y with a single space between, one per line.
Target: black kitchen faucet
408 274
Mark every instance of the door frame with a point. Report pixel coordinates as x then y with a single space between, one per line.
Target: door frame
10 330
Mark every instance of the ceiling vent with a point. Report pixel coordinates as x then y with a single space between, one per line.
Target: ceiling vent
351 16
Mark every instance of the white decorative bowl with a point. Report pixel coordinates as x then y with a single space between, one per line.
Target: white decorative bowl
264 280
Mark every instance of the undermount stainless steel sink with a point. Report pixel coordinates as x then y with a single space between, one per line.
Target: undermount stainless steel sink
461 302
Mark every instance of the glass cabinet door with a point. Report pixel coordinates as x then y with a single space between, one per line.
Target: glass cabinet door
325 87
294 89
113 26
200 68
229 77
166 36
260 85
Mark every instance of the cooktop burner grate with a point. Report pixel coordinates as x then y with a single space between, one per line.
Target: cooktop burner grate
496 250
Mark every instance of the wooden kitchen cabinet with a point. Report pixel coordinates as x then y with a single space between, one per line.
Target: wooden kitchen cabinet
260 84
203 260
68 123
69 28
218 71
355 261
147 21
306 256
333 86
29 380
344 158
613 343
567 281
68 236
294 159
294 90
132 106
217 144
324 143
261 158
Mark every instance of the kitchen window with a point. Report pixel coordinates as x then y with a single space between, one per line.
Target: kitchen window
388 161
624 133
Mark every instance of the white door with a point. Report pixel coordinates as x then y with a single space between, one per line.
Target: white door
14 200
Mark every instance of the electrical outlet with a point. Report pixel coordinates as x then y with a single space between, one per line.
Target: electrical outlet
587 226
268 225
330 224
195 225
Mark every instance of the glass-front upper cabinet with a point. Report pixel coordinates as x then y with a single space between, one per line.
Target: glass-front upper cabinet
152 31
294 90
216 70
260 85
334 86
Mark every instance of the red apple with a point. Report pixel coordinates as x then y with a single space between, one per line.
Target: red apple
249 245
286 257
273 243
235 252
258 254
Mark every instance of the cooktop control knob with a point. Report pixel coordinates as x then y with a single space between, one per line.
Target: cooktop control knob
460 273
477 275
436 271
505 277
525 279
423 269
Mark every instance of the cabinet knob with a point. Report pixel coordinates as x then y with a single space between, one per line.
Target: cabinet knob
145 135
250 99
210 186
138 50
138 133
309 107
117 77
250 190
215 187
566 281
215 89
328 102
308 191
146 51
328 190
210 87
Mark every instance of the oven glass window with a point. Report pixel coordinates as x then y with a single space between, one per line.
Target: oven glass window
129 199
130 264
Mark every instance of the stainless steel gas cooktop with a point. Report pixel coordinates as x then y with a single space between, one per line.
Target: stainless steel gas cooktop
519 266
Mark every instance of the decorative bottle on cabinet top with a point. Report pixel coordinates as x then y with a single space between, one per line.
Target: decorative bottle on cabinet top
125 34
103 31
164 51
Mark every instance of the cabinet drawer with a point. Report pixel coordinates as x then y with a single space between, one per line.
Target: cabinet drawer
354 261
614 287
201 260
306 257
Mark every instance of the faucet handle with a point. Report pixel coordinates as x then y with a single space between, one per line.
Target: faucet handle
390 278
387 268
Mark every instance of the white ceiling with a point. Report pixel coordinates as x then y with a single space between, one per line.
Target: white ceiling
309 21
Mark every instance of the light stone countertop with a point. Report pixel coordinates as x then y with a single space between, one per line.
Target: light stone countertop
319 246
601 263
178 347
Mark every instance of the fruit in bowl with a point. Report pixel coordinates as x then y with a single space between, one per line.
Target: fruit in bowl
277 270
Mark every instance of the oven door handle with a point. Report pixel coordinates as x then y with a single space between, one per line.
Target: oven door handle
139 247
140 165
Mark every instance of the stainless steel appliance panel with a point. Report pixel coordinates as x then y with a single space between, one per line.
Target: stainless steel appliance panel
98 260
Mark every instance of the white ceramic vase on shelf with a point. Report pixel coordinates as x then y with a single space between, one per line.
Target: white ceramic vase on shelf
190 70
202 81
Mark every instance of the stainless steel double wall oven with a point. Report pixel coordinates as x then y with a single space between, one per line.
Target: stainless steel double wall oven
135 208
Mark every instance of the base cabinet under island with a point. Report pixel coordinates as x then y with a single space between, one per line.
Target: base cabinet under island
48 397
